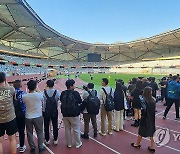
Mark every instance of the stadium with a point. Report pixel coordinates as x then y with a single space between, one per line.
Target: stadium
30 49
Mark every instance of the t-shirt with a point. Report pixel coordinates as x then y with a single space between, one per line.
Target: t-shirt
50 93
33 103
7 112
102 95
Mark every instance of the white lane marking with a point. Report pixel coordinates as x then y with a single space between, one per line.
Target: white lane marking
104 145
148 139
159 113
49 150
169 129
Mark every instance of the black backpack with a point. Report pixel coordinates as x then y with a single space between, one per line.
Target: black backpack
17 105
93 103
51 105
68 104
109 103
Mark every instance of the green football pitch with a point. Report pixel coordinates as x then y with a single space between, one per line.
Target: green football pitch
97 78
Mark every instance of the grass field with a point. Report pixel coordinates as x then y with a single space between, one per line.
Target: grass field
125 77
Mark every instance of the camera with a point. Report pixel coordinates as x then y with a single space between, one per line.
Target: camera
85 88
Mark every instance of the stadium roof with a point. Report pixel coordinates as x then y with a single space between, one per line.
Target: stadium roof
21 28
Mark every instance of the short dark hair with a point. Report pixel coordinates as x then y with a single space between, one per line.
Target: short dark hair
175 77
139 85
2 77
50 83
153 79
17 84
105 80
90 85
32 84
69 83
119 86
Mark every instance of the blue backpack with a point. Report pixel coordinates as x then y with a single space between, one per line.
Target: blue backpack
173 90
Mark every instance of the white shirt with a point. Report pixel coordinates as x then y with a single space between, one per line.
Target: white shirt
102 95
33 103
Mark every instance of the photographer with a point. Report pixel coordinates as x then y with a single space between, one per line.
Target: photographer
90 109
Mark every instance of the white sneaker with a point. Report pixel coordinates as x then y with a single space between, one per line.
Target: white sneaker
103 134
22 149
78 146
55 142
47 142
69 146
110 133
17 146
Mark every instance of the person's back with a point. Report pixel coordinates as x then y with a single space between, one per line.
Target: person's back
7 114
90 108
33 118
76 100
173 91
154 87
70 109
50 111
33 103
106 109
20 111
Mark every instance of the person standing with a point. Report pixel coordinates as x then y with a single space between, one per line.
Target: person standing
50 111
154 86
20 111
136 103
147 123
33 117
173 92
105 92
119 98
7 114
70 109
163 86
90 108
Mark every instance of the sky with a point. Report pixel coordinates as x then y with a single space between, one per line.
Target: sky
109 21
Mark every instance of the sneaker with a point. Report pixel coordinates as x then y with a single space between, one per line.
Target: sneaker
164 117
17 146
78 146
177 119
22 149
115 130
55 142
47 142
103 134
85 136
110 133
33 151
69 146
41 150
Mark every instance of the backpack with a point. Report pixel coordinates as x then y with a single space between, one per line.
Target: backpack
51 105
172 90
17 105
93 103
68 104
108 104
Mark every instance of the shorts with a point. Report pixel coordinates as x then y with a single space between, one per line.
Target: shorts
10 128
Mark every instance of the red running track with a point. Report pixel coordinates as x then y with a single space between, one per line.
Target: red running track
119 142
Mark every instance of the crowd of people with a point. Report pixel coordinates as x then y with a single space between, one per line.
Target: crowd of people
36 109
